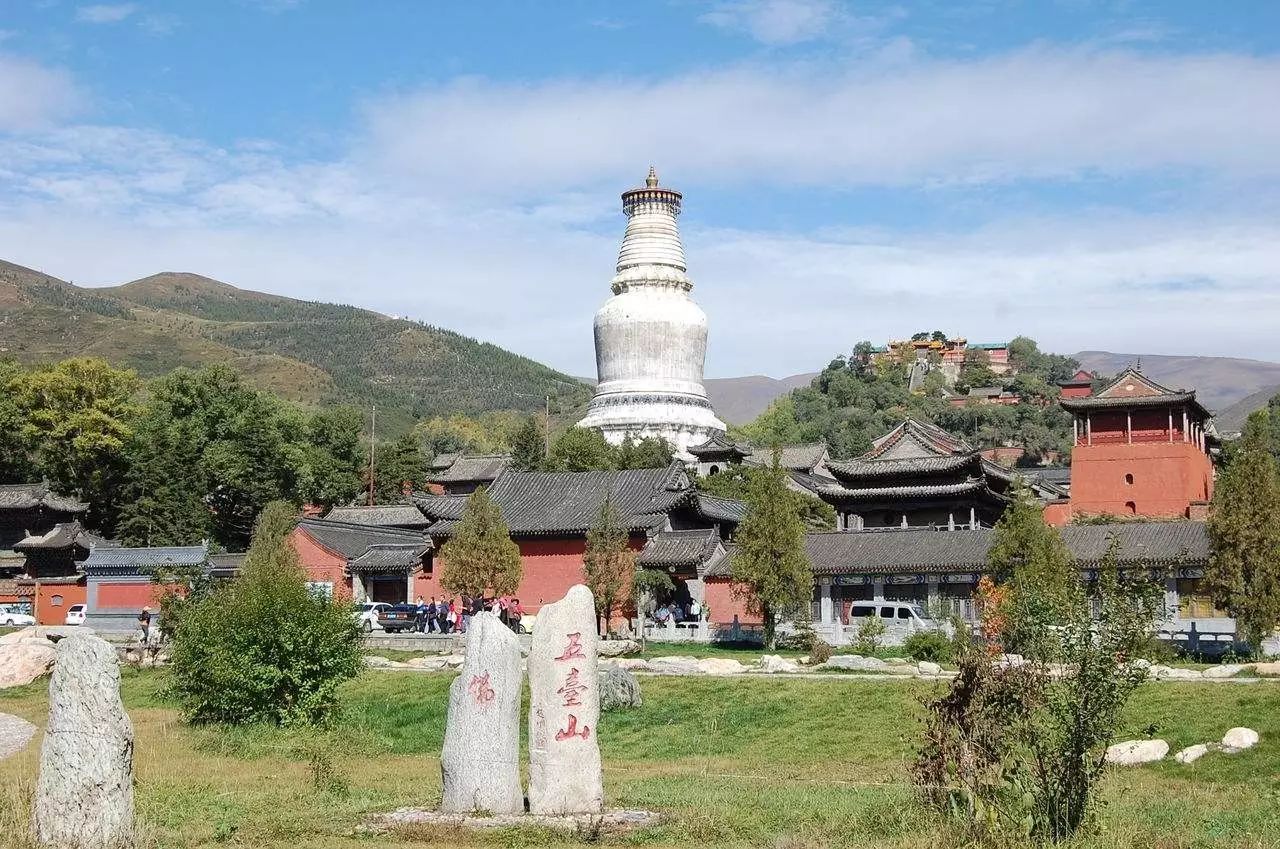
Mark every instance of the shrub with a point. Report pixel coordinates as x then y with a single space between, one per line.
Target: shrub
263 648
819 652
867 639
929 645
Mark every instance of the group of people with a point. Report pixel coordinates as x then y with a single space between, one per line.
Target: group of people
676 612
449 616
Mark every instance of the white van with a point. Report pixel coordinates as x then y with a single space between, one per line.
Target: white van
898 616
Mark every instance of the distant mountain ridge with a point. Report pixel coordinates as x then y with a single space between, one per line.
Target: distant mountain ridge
307 351
738 400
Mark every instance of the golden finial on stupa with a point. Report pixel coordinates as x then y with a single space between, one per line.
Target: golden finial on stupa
652 180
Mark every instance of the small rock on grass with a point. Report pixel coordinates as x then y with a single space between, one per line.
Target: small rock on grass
1134 752
1191 754
1239 739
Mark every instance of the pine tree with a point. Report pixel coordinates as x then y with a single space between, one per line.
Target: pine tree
1244 535
770 565
480 558
528 446
1030 559
608 564
400 465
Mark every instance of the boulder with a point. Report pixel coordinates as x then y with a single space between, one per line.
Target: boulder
678 664
1268 668
927 667
895 669
84 794
1239 739
632 664
1173 673
1134 752
480 760
564 708
618 648
855 662
774 663
19 636
897 661
23 661
619 689
1191 754
720 666
431 663
1224 670
373 661
15 734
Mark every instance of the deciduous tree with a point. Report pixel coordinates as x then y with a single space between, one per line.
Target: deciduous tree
480 558
608 564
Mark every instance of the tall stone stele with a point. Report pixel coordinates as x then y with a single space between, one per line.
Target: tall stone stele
564 708
480 762
651 338
84 795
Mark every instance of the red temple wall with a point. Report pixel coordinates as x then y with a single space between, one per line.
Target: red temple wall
1144 479
128 596
724 603
48 613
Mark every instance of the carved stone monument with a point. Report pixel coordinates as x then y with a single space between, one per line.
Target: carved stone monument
564 709
480 761
84 795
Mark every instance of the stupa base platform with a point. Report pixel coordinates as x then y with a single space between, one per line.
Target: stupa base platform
611 821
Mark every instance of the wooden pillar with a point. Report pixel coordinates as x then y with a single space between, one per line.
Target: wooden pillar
1075 429
1128 426
1171 424
1088 429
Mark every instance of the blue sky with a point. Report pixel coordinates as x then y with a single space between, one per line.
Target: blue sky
1093 174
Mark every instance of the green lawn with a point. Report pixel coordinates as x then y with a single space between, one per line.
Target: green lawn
731 762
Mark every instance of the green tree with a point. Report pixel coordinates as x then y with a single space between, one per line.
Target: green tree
328 457
529 446
582 449
1244 534
480 558
650 452
78 417
975 370
399 465
770 566
16 463
263 647
609 564
734 481
1029 558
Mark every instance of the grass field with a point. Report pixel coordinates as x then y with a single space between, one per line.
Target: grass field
731 762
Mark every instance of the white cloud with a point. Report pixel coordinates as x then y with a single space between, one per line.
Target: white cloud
1037 113
105 13
774 21
33 96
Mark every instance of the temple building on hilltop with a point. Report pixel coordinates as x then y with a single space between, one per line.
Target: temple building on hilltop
651 338
1141 449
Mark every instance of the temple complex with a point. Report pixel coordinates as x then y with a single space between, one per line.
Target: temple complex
651 338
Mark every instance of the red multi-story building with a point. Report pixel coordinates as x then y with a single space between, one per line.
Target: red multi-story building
1141 449
1079 386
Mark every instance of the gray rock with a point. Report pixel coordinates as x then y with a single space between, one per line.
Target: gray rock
1191 754
678 664
1134 752
632 664
564 708
773 663
480 761
897 661
84 795
373 661
618 648
720 666
1239 739
1224 670
928 667
15 734
619 689
855 662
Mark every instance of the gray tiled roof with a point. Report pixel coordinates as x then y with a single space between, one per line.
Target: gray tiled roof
720 444
436 507
871 469
802 458
115 560
386 558
352 540
63 535
540 503
898 493
382 515
680 549
25 496
713 508
891 551
811 483
473 467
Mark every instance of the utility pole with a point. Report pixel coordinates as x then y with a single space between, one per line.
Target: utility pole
546 432
373 438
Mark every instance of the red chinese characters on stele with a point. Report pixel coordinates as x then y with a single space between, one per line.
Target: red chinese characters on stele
480 690
573 688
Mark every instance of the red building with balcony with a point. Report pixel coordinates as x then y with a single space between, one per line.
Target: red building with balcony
1141 449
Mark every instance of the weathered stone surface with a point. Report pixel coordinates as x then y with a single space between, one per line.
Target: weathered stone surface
1224 670
1191 754
720 666
927 667
855 662
1268 668
632 664
676 664
1134 752
775 663
18 636
15 734
480 760
84 795
564 708
1173 673
619 689
618 648
897 661
23 661
373 661
1239 739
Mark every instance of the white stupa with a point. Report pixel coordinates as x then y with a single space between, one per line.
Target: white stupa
651 338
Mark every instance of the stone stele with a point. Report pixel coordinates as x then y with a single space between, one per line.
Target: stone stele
84 795
564 709
480 762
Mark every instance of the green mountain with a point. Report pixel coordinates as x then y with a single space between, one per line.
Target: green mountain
309 352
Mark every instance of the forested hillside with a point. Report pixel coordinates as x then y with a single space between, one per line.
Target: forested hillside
312 353
857 398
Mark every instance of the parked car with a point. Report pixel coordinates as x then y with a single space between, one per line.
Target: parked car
896 615
75 614
367 615
11 617
395 618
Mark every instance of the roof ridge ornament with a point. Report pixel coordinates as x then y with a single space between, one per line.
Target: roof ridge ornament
651 181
